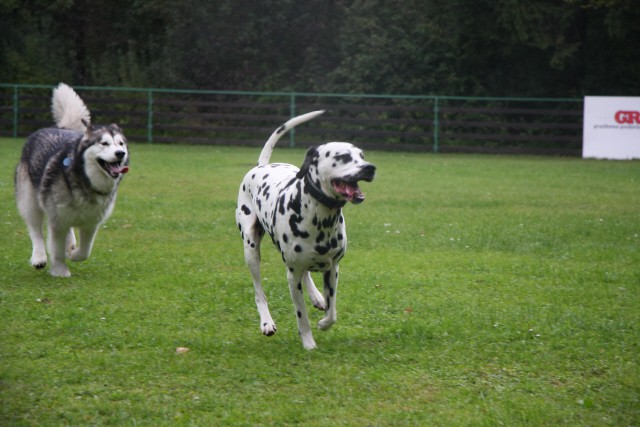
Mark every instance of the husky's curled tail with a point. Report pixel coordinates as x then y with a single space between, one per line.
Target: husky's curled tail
68 175
68 109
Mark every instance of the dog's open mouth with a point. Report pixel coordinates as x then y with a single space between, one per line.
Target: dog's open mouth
113 169
348 187
349 190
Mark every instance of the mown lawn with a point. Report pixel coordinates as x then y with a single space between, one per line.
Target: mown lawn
476 290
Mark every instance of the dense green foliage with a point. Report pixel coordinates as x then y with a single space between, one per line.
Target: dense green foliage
477 290
558 48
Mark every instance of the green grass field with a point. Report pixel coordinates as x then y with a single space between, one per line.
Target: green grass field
477 290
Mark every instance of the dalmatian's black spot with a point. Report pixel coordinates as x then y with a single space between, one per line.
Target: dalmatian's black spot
290 182
329 221
295 203
265 176
320 237
294 220
285 238
321 249
297 248
340 236
344 158
245 210
259 203
300 286
326 278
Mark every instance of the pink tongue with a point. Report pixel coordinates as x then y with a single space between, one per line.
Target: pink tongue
123 169
348 190
351 191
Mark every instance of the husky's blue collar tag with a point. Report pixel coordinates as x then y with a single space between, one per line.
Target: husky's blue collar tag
66 162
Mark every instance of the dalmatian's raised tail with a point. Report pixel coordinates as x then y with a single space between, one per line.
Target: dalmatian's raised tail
265 154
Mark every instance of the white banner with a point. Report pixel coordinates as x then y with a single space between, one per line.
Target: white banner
611 128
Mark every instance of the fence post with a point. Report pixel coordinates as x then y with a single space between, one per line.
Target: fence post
15 111
150 117
292 114
436 124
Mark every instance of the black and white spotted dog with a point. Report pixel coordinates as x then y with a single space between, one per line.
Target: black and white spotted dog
301 209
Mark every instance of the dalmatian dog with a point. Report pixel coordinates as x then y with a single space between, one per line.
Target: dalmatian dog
301 210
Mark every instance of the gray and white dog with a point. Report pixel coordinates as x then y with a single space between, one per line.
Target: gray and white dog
301 209
69 175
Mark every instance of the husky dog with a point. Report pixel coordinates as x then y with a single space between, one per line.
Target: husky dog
301 210
69 174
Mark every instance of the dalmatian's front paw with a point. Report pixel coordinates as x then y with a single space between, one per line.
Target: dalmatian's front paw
268 328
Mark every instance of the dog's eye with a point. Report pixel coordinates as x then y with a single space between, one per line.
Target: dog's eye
104 144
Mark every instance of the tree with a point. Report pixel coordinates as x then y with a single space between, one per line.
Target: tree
553 48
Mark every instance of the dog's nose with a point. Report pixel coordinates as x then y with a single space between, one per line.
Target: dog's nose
120 155
368 172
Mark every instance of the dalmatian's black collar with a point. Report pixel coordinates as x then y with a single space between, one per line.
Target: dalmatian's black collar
317 194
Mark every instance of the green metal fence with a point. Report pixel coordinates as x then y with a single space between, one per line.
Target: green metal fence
397 122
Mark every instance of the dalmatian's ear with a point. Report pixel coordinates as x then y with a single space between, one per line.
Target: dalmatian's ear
310 158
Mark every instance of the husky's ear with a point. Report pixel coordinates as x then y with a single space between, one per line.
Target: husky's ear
87 138
310 158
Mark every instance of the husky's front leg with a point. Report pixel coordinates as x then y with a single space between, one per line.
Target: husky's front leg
83 250
71 242
56 240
